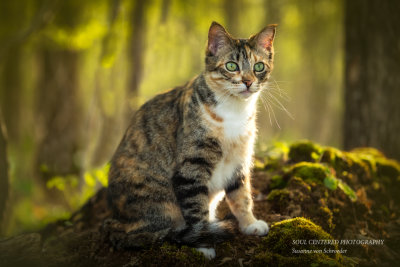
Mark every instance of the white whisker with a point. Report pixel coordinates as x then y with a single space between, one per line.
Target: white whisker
280 106
273 114
266 109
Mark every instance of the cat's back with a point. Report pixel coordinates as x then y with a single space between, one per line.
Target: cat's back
151 134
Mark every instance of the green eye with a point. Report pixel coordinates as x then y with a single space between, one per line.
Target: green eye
259 66
232 66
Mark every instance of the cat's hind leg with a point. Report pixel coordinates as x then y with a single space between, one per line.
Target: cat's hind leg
121 236
144 211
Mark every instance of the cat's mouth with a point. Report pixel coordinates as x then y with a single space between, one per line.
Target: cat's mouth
246 93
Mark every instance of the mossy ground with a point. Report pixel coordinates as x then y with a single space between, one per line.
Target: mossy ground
292 242
344 195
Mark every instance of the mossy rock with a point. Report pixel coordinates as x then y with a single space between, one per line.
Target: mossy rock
388 168
310 172
347 162
278 195
298 184
304 151
368 151
292 242
277 182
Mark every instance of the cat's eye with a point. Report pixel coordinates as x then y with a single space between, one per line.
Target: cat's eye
232 66
259 66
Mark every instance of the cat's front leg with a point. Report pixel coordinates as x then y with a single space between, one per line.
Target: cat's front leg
238 196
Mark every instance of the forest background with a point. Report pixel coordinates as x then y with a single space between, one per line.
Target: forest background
72 72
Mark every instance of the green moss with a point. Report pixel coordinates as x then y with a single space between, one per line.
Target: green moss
347 190
273 165
279 195
277 181
304 151
330 154
287 241
310 172
258 165
317 173
298 183
368 151
388 168
349 166
381 167
326 216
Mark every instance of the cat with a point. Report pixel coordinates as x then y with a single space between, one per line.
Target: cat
188 148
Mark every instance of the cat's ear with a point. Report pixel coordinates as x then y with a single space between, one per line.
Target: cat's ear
218 38
265 38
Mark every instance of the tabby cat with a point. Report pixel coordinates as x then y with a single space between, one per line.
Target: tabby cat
188 148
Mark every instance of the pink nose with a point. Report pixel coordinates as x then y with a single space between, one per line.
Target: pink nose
248 83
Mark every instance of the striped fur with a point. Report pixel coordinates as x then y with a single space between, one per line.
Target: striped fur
186 148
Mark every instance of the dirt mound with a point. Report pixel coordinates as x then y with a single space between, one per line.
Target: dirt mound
327 208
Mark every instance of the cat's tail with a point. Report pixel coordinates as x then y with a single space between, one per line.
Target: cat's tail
197 235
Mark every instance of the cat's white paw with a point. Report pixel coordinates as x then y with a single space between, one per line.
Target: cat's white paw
209 253
258 227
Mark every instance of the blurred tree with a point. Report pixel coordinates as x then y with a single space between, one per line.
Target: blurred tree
274 11
4 182
321 53
232 9
11 91
137 49
372 82
165 7
58 105
58 112
109 122
61 94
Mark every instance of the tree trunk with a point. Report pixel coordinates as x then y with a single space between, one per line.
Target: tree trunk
372 80
165 8
58 114
11 92
4 183
274 8
232 9
136 49
322 34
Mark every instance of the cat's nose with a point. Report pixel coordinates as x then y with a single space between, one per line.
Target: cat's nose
248 83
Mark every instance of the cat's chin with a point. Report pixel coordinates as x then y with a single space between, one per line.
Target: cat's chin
246 94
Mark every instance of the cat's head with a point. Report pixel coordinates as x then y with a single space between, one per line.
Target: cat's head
239 67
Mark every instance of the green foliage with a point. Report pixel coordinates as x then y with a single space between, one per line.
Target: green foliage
97 175
331 182
61 183
77 39
70 189
347 190
67 185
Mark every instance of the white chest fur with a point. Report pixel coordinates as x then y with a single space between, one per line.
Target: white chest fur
236 131
236 116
